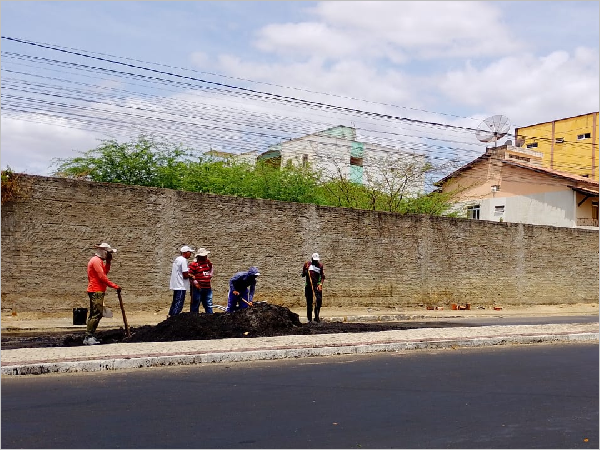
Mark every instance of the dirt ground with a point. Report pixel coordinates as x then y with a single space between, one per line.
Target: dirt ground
41 329
262 320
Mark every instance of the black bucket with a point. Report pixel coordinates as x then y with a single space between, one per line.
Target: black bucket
79 316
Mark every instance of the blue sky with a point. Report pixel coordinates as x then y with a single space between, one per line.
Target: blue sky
451 63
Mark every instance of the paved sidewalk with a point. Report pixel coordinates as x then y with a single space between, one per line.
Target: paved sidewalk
32 361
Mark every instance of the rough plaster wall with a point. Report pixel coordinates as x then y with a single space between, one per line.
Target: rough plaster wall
371 258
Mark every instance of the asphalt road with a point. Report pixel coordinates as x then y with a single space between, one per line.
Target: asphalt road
531 320
538 396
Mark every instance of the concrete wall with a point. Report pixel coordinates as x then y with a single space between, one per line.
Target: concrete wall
370 258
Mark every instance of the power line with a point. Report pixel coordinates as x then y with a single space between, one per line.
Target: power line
241 89
248 80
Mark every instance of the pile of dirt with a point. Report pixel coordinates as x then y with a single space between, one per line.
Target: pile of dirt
261 320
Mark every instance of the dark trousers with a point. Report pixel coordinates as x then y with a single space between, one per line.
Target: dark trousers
236 302
318 295
177 303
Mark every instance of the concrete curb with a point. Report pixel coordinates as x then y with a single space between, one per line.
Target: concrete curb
112 364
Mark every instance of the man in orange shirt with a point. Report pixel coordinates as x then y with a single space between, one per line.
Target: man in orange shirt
97 270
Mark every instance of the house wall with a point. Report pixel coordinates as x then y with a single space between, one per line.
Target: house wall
331 151
518 181
527 196
329 154
579 157
473 183
550 208
371 258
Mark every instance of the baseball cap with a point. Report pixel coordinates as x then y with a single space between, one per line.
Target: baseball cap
185 248
315 256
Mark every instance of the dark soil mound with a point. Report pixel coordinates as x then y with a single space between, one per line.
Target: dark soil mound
260 320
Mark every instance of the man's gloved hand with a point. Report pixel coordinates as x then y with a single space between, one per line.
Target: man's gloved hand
119 290
108 256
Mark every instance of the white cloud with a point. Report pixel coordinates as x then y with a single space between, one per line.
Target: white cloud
29 147
527 88
348 77
393 30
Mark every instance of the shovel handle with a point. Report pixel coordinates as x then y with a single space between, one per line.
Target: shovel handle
124 316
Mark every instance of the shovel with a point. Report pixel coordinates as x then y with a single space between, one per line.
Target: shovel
124 317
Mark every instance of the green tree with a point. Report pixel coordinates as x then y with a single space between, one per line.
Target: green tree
149 162
144 162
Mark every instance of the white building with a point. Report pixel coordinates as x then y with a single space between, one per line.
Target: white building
509 184
336 153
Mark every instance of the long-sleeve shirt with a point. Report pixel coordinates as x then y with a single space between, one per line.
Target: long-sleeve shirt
97 279
201 271
240 282
315 271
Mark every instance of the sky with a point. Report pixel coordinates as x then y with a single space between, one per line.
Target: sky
240 76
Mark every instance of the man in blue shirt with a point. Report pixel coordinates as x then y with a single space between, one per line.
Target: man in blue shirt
241 289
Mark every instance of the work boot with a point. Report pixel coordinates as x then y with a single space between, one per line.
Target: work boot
90 340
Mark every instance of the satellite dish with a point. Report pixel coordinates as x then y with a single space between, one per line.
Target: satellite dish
493 128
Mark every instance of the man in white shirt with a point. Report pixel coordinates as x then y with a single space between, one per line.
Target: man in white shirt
180 282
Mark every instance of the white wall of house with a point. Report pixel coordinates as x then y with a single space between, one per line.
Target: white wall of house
550 208
323 153
332 155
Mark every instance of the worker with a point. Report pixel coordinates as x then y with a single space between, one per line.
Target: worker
180 282
241 289
314 276
97 271
201 272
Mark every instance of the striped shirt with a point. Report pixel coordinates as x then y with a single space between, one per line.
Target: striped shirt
201 271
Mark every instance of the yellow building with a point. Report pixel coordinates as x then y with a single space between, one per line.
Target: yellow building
568 145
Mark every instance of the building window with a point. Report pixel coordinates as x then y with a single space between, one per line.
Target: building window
584 136
559 140
532 145
498 210
354 161
473 212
